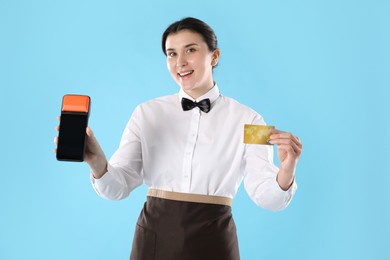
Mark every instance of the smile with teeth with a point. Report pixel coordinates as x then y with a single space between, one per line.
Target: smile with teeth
185 73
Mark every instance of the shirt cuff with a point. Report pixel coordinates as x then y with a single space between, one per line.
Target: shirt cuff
286 195
279 199
100 185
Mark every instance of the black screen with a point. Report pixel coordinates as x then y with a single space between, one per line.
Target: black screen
71 137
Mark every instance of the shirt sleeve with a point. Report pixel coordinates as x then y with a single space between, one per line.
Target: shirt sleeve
125 166
260 176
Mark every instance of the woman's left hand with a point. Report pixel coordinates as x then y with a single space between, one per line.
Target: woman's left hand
289 150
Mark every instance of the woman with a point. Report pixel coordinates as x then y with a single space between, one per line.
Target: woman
188 149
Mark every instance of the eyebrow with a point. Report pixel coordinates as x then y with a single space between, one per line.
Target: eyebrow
186 46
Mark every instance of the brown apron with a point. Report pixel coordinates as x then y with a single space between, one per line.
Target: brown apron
178 230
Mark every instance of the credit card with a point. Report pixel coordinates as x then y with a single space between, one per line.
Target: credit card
257 134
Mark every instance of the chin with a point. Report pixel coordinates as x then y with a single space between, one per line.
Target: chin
189 89
185 86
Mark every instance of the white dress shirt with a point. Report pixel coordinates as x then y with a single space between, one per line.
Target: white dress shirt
193 152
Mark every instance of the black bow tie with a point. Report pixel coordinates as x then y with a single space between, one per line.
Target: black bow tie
188 104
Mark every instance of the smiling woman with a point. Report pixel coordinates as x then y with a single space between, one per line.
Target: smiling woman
192 52
190 62
194 160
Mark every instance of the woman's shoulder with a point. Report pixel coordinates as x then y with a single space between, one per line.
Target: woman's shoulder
160 101
234 104
158 105
240 111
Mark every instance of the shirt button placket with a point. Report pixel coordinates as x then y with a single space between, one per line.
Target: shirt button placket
189 149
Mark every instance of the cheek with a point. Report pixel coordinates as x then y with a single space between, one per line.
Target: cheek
204 66
209 61
204 62
170 66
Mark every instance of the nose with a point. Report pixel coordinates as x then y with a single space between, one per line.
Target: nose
181 60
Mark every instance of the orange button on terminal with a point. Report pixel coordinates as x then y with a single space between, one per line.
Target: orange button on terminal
75 103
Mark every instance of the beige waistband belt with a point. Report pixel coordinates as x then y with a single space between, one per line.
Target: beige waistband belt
189 197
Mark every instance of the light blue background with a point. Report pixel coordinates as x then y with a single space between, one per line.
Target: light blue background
319 69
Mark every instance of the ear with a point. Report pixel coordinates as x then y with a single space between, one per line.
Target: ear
215 57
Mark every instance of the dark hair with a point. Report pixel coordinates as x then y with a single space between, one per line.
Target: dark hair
194 25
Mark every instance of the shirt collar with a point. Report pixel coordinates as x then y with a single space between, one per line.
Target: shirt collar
212 94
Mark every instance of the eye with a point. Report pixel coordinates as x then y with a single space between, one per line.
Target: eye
190 50
171 54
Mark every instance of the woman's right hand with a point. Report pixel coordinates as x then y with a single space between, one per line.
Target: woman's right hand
93 155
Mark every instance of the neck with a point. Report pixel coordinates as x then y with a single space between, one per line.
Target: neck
196 94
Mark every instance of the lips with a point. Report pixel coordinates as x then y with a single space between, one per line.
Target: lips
184 74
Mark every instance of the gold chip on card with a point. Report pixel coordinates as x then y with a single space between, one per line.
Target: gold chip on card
257 134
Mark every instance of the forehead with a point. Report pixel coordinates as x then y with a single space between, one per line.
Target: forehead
183 38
